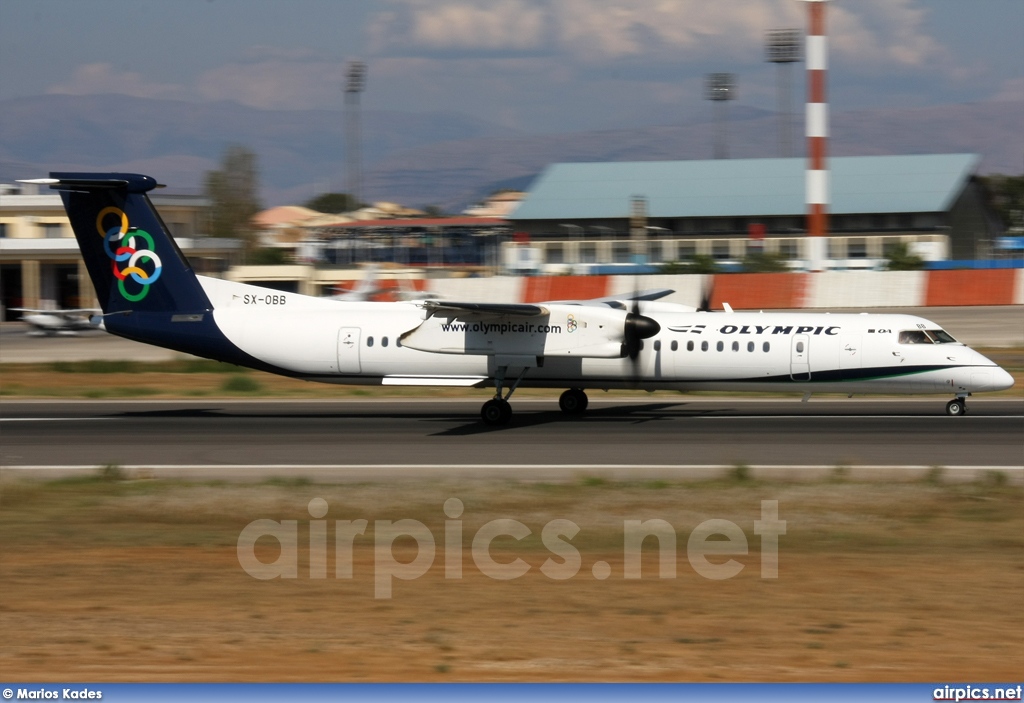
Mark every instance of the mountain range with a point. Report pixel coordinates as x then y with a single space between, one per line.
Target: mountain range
444 159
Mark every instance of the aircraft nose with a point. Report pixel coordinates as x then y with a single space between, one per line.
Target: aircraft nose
1001 379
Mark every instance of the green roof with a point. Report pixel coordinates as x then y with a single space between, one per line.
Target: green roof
745 187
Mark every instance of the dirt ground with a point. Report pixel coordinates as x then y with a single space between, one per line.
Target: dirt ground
134 580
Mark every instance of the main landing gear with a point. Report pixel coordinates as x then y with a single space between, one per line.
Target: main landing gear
498 411
573 402
957 406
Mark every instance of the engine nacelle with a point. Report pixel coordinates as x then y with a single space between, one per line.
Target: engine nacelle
560 330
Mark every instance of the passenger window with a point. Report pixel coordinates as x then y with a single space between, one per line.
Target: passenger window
799 347
689 345
657 345
675 345
750 346
766 346
914 337
720 346
703 346
369 341
384 341
735 346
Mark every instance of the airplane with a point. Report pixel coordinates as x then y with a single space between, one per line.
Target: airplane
368 287
64 321
149 293
364 289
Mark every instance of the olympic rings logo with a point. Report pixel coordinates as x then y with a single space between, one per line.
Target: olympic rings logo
570 323
125 247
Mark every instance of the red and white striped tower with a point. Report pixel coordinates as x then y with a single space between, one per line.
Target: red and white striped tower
817 135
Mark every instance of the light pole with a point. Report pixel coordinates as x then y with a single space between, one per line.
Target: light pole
782 47
719 89
355 83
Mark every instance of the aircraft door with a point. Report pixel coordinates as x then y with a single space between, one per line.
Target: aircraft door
799 363
348 350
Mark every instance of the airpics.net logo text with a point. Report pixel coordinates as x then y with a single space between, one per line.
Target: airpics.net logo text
710 547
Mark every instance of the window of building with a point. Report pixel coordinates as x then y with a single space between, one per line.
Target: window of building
857 248
51 230
3 230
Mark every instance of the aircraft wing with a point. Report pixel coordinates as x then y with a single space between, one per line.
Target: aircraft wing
617 301
448 308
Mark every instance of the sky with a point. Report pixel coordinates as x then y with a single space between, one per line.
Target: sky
534 66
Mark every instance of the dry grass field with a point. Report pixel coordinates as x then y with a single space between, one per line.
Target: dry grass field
208 379
107 579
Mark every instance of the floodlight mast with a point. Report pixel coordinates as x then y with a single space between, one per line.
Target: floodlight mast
720 88
782 47
355 83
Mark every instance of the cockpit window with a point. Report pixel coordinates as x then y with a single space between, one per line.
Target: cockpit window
942 337
926 337
914 337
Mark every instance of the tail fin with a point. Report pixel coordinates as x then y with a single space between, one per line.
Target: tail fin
132 259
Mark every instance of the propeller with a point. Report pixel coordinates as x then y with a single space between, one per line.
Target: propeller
707 294
637 328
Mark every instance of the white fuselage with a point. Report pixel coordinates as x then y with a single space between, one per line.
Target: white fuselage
373 343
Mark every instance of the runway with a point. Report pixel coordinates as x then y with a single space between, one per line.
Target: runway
354 439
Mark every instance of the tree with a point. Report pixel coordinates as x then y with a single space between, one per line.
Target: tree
233 191
901 258
764 262
699 263
333 203
1006 197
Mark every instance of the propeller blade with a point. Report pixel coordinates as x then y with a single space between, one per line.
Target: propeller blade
707 295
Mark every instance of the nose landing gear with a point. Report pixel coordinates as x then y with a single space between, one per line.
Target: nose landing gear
957 406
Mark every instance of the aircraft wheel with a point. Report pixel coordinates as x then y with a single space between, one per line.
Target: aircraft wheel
496 411
573 402
957 406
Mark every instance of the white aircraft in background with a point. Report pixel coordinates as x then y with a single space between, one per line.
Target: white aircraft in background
363 290
368 287
53 322
149 293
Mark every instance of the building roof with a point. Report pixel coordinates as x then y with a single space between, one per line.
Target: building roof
408 223
745 187
283 215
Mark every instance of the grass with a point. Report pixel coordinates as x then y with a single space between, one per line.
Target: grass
863 589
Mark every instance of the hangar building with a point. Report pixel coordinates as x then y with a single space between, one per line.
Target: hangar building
582 214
